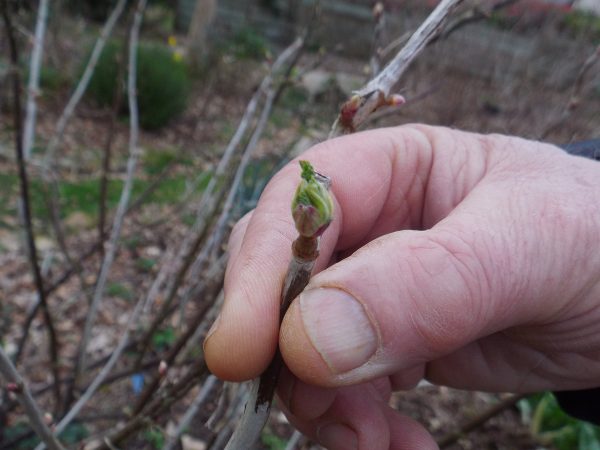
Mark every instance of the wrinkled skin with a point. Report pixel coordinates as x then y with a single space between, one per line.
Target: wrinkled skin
472 260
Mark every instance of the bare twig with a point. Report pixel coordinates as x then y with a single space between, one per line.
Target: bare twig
479 420
378 29
82 85
191 412
106 160
392 46
51 191
127 186
477 12
34 78
101 226
25 201
232 407
102 375
162 401
223 404
385 81
294 440
20 389
474 14
575 98
179 344
377 92
115 234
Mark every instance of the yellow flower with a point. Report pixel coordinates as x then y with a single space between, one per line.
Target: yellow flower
177 56
172 41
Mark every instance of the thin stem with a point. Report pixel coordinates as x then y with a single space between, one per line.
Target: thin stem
51 192
31 409
191 412
378 30
385 81
474 14
106 160
574 99
25 201
126 192
67 113
99 380
101 227
479 420
294 440
258 406
161 403
178 345
33 85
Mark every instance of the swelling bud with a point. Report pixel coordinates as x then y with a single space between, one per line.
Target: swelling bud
312 206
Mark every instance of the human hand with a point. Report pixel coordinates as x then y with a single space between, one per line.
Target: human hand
498 290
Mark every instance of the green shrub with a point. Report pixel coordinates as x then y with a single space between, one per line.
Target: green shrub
162 83
51 79
581 24
248 44
93 9
156 160
119 290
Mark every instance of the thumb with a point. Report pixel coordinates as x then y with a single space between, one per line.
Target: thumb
404 299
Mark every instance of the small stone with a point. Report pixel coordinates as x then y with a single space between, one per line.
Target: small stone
190 443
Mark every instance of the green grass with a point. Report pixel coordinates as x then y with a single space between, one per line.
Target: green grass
145 264
83 195
155 437
248 43
272 441
75 432
583 24
119 290
163 338
156 160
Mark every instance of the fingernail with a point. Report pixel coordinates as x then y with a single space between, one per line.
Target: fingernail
211 330
338 327
337 436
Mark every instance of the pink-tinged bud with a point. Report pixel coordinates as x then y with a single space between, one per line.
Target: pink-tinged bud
312 206
48 418
377 10
396 100
349 110
162 368
13 387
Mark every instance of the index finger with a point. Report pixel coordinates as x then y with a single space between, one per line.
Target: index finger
378 184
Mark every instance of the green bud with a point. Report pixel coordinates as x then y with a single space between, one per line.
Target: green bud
312 206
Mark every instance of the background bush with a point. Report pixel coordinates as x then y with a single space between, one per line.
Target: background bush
163 82
93 9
